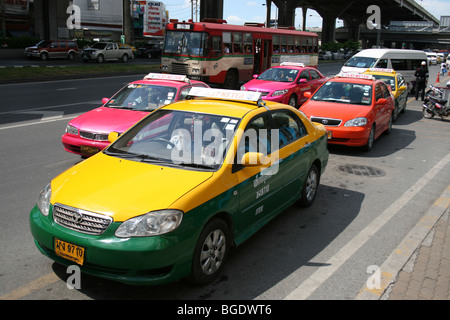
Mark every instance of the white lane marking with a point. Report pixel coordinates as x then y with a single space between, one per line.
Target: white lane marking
66 89
336 261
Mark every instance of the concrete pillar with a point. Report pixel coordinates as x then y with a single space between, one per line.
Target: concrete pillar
211 9
328 28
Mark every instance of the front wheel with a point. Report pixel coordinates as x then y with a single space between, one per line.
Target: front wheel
210 252
371 139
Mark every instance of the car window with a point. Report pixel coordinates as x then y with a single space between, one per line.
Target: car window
401 80
378 92
62 44
314 74
287 126
344 92
305 75
385 90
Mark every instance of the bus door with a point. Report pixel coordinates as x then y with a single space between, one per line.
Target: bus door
263 55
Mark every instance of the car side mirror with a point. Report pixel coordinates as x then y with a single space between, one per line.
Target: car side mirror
112 136
255 76
402 88
253 159
302 80
105 100
381 101
307 94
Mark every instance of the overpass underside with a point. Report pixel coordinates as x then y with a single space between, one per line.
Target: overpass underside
353 12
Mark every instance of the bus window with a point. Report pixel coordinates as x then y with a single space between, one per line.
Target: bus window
283 42
227 43
290 48
185 42
298 43
315 45
248 43
276 43
237 42
216 46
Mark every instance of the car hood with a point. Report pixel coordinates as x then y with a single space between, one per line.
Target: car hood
334 110
266 86
106 120
123 188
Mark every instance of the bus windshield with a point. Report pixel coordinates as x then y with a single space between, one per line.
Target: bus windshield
185 42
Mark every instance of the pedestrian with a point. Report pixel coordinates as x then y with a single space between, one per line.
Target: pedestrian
443 69
421 79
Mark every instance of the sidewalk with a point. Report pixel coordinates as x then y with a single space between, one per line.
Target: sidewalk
419 269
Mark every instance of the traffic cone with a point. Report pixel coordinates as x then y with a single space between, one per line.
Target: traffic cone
437 79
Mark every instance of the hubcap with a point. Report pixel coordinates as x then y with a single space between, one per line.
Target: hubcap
213 252
311 185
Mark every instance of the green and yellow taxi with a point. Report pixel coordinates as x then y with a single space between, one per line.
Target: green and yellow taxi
169 197
397 83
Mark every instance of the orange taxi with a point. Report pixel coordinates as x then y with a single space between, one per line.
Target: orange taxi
354 108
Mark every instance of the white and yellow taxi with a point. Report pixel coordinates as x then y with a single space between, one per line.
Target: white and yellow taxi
169 197
396 82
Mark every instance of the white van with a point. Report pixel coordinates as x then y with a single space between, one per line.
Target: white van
432 58
403 61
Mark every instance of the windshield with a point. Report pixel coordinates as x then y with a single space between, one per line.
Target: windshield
360 62
178 138
342 92
390 81
99 45
185 42
43 44
142 97
279 74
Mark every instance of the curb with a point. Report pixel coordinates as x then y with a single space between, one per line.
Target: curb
406 249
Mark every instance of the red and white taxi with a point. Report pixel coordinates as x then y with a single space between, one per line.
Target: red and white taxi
88 133
354 108
286 83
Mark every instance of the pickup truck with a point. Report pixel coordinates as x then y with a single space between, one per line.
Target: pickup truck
106 51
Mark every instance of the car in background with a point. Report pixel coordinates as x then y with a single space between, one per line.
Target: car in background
354 108
129 46
286 83
150 50
397 83
170 197
432 58
88 133
53 49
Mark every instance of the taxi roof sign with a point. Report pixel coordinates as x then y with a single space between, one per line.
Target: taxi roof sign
225 94
292 64
382 70
165 76
355 75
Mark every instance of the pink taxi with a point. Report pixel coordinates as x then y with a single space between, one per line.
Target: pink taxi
286 83
88 133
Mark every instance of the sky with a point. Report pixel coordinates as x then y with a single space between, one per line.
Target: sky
240 11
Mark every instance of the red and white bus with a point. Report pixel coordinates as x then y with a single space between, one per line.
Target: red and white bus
216 52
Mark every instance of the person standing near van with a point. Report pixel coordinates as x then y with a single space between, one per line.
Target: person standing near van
421 79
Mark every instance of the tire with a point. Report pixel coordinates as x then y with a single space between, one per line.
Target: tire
310 187
293 101
71 56
231 80
427 114
125 58
149 55
210 252
44 56
371 139
389 128
100 58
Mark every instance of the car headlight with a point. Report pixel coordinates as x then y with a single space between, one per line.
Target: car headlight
279 92
243 88
357 122
151 224
44 200
71 129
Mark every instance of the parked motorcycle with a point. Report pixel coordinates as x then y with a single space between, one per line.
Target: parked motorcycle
435 103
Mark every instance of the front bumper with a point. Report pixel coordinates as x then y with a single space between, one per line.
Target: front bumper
136 261
74 144
349 136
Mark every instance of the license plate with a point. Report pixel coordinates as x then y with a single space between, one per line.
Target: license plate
88 150
69 251
329 134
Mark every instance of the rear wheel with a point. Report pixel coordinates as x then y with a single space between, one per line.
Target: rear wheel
427 113
310 187
125 58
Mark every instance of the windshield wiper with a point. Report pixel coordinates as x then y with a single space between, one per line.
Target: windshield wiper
196 165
